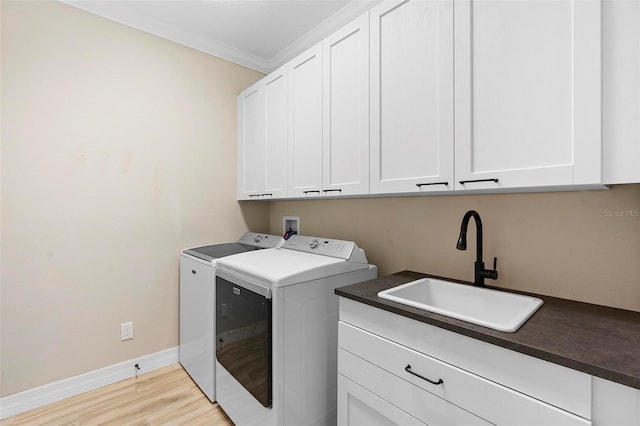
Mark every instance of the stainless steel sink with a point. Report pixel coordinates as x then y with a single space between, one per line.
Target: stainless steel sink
495 309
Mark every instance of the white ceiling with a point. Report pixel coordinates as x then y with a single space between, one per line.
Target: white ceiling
259 34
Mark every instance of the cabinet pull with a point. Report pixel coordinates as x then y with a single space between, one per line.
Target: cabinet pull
419 185
254 195
332 190
193 271
265 194
462 182
311 192
408 370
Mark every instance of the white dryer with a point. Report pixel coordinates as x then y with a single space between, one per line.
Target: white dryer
197 304
277 330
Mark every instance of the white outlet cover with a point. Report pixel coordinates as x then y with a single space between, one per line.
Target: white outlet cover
126 331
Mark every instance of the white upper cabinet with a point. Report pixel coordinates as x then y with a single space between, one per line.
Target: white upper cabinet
621 91
411 96
262 138
527 93
305 124
378 107
276 133
251 142
345 147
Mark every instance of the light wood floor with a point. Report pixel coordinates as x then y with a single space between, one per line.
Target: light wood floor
166 396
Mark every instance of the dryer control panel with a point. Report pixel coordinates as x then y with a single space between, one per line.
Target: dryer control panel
341 249
261 240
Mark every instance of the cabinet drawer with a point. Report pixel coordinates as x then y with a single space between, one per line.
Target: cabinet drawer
559 386
485 398
406 396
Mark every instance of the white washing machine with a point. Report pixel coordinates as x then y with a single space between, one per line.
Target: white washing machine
277 330
197 304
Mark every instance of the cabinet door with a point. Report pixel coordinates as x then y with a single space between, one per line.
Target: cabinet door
305 123
411 96
250 143
620 91
275 134
527 84
345 57
359 407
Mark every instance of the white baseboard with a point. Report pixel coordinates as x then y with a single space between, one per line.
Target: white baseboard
21 402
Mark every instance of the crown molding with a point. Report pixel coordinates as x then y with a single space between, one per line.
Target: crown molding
336 21
118 12
115 11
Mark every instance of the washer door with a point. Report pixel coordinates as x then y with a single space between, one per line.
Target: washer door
243 337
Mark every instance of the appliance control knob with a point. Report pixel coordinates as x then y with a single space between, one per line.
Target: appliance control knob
314 244
257 239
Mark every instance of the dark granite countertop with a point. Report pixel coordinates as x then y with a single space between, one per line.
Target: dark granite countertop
597 340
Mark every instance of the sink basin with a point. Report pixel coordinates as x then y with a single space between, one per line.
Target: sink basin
495 309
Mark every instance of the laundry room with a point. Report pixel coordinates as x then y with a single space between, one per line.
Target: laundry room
120 147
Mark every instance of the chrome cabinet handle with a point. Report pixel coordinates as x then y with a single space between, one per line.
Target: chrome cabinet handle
462 182
433 382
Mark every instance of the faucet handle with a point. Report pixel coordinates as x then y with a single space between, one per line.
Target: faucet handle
493 274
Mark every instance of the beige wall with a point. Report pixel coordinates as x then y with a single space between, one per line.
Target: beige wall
566 244
118 149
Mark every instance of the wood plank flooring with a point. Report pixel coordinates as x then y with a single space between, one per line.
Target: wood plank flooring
166 396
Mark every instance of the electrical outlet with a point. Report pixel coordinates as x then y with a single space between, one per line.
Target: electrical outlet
126 330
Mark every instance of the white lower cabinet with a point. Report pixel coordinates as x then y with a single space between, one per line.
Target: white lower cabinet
384 378
615 404
395 398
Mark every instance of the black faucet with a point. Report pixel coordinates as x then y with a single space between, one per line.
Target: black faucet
480 272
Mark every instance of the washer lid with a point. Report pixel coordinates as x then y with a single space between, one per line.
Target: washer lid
282 267
217 251
247 242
